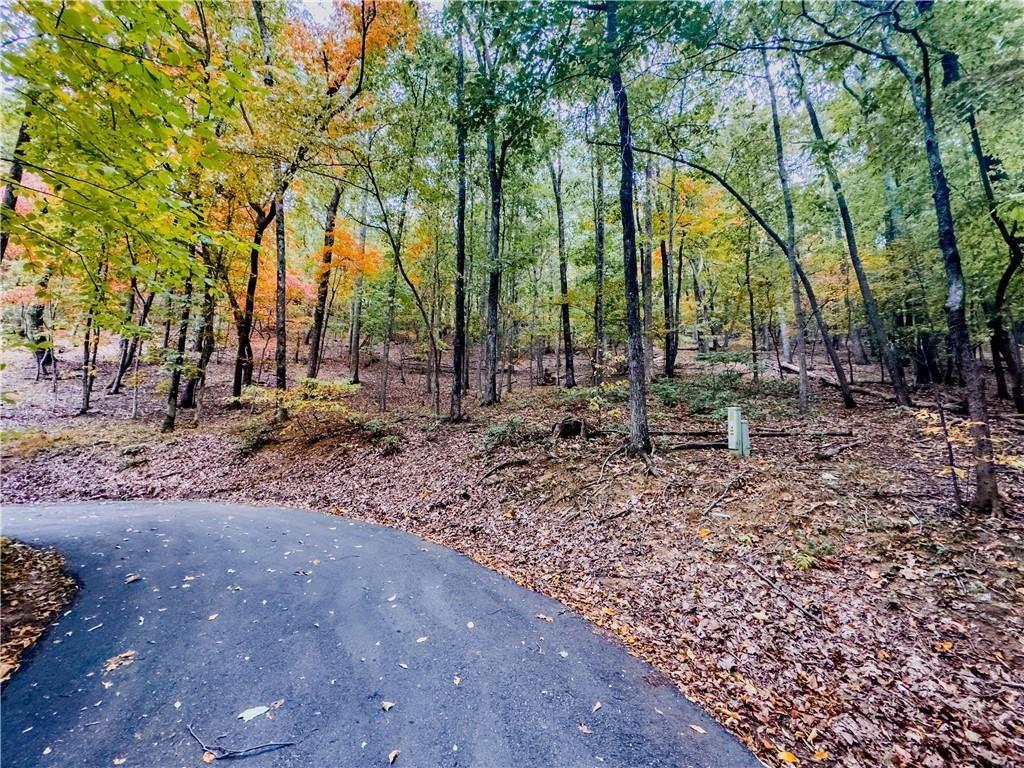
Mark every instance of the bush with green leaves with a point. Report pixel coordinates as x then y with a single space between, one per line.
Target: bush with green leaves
511 431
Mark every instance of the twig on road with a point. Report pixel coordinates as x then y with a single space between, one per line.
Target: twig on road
225 753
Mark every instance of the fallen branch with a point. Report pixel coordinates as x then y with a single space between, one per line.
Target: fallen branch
728 487
225 753
792 600
698 445
504 465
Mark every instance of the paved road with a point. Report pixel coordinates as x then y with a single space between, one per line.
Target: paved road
322 619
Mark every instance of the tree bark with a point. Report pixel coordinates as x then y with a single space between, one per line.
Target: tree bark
179 358
244 318
281 313
671 339
323 283
646 267
639 437
459 342
490 393
887 349
15 174
794 261
599 340
563 278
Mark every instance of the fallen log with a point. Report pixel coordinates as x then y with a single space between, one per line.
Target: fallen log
790 368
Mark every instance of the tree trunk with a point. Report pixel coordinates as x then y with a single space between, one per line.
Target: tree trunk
459 342
207 338
795 267
986 494
323 283
179 358
646 267
754 364
599 340
14 175
244 319
281 313
887 349
563 278
490 393
639 437
671 339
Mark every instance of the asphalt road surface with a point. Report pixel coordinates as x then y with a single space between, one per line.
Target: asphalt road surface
350 641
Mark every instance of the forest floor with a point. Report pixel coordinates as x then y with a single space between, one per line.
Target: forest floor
33 589
824 599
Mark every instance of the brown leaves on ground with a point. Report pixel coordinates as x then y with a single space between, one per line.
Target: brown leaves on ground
35 588
832 607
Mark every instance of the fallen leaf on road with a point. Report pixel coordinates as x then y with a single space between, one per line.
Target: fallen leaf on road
545 618
212 616
120 760
209 757
121 660
386 705
583 728
252 712
403 665
393 755
457 680
697 728
597 706
421 639
131 577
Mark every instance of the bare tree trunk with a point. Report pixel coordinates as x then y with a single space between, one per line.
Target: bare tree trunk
887 349
490 393
599 340
639 437
671 338
646 267
754 363
14 174
179 358
323 283
459 342
281 328
563 279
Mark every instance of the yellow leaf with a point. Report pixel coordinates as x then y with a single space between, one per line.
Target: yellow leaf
821 754
704 532
209 757
788 757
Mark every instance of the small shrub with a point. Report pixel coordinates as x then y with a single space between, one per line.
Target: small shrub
810 553
255 433
390 445
512 431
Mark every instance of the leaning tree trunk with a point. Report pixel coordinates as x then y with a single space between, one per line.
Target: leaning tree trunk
797 271
639 436
14 175
887 349
986 492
